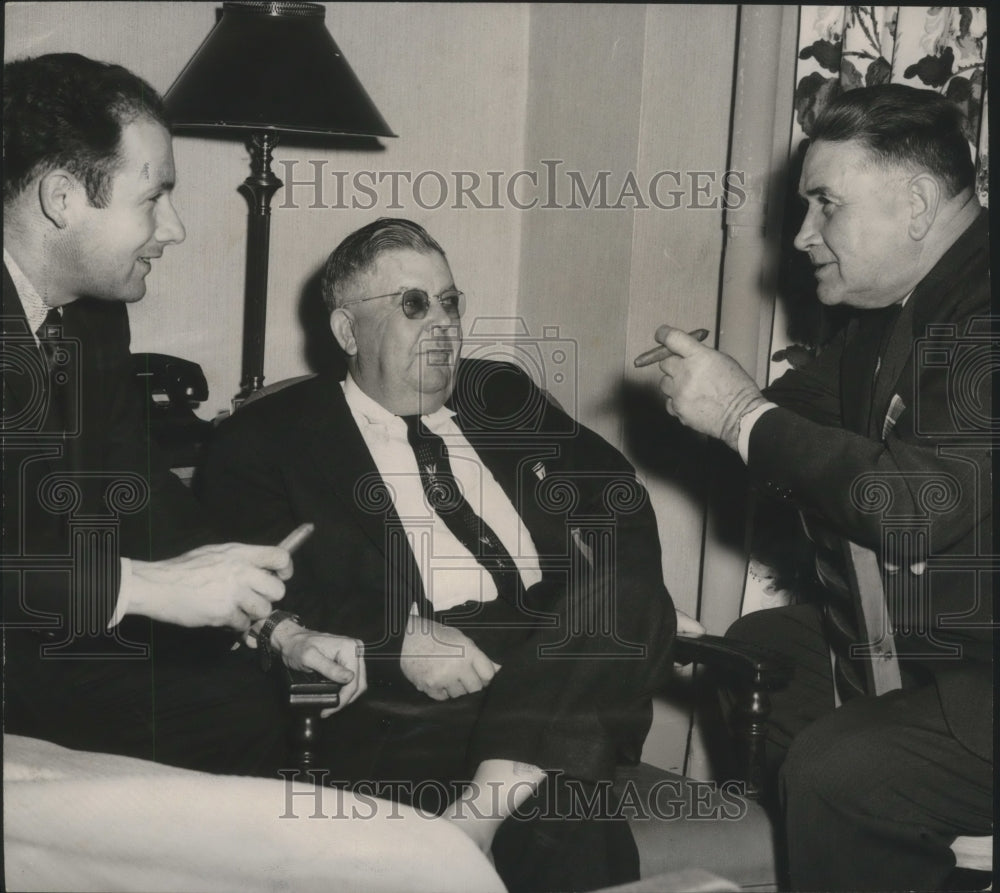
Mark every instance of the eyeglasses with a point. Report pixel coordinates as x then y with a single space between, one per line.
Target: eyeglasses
415 302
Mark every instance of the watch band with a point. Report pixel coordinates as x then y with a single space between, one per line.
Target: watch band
264 635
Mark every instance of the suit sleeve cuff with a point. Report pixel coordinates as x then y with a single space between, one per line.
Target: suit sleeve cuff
746 426
124 585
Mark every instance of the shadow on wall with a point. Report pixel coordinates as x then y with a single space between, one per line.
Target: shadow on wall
660 445
322 353
663 448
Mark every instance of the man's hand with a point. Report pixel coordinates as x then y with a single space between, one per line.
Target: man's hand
335 657
443 662
707 390
221 585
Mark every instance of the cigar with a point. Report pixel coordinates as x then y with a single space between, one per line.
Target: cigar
661 353
297 537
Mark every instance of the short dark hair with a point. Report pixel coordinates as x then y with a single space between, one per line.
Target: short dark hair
361 249
905 127
64 110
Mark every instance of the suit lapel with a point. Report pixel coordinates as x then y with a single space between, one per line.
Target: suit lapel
332 441
518 470
895 356
24 374
932 301
856 379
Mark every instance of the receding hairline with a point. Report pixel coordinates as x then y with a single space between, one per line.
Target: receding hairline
343 286
873 160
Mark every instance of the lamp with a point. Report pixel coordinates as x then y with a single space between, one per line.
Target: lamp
265 69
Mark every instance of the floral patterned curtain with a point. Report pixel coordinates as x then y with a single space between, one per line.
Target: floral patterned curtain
938 47
846 48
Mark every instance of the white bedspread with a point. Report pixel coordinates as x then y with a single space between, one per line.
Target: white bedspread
88 821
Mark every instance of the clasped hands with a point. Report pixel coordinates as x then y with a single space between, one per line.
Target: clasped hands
706 390
443 662
235 585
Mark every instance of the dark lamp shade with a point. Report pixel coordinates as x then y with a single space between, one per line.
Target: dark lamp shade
272 66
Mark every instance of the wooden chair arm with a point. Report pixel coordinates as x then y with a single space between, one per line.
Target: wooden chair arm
740 661
307 695
749 672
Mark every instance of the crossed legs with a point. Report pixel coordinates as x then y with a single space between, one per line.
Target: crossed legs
873 793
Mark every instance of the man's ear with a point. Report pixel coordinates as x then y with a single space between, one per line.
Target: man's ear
58 191
342 326
925 198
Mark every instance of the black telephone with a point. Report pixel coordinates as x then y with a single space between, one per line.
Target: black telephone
172 388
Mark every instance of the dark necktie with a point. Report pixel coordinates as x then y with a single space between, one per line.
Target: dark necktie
873 340
887 323
48 334
445 496
58 383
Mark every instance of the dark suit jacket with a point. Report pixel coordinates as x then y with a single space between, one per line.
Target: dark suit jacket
104 467
298 456
913 451
72 505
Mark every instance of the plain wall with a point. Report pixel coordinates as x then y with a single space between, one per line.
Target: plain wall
631 90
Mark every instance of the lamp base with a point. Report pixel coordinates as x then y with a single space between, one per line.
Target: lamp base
257 189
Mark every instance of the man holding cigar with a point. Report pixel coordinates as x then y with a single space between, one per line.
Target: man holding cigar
119 606
500 562
874 792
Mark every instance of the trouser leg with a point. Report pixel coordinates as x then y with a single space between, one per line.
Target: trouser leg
795 632
875 792
208 710
219 712
557 840
575 694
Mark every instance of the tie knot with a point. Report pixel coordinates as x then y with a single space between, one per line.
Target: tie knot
414 432
51 326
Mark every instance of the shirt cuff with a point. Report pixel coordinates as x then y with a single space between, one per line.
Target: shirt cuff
124 586
747 422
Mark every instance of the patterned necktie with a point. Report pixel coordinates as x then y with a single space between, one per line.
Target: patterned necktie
445 496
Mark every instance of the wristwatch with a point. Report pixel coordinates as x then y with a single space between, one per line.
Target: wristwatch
265 632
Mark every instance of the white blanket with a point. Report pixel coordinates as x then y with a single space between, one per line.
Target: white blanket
90 821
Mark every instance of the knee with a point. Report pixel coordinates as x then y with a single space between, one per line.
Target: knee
749 628
822 766
794 630
761 627
805 779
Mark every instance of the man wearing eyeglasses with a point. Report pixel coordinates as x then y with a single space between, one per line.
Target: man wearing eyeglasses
509 646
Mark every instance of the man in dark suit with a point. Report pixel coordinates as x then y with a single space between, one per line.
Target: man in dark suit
518 656
106 563
890 424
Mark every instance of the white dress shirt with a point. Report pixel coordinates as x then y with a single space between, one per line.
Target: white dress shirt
449 572
33 304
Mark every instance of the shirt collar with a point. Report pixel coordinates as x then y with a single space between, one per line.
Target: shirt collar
35 308
375 414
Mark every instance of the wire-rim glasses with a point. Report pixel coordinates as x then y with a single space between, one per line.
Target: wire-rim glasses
416 303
